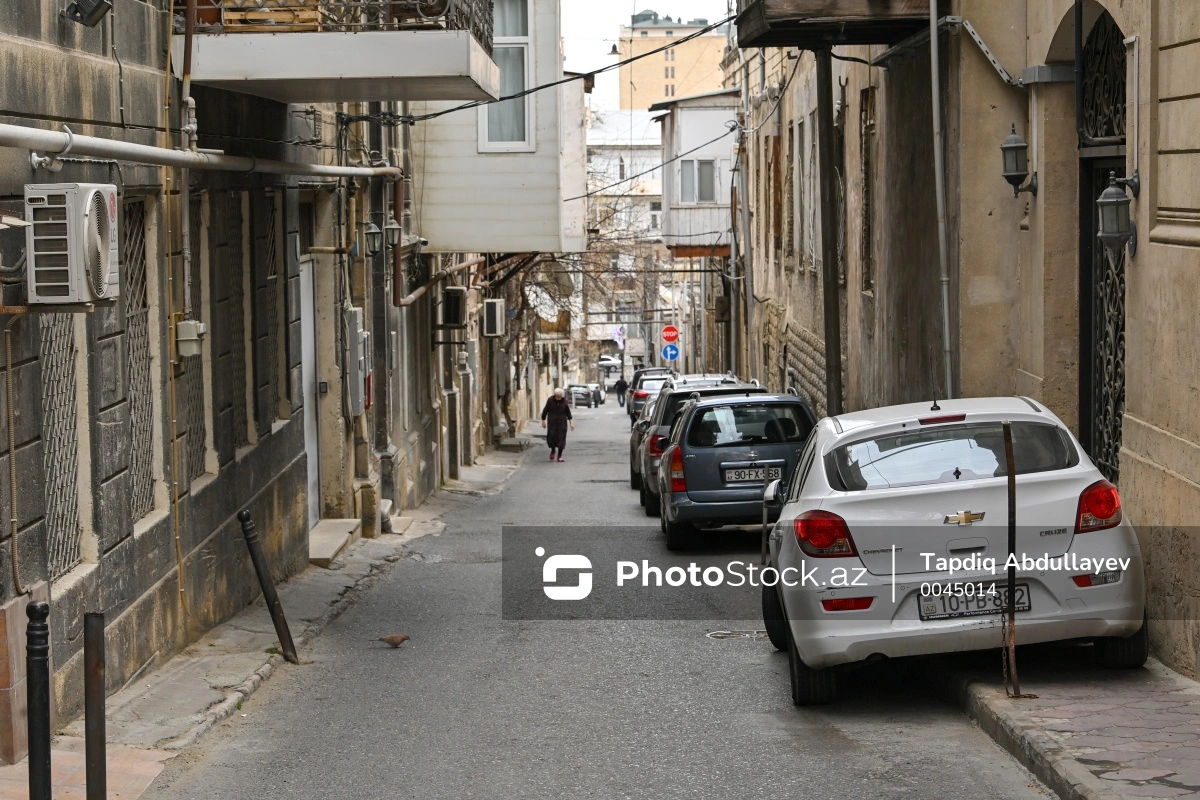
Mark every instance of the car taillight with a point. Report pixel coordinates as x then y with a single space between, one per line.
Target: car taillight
640 395
1099 508
847 603
655 446
678 482
824 535
1097 578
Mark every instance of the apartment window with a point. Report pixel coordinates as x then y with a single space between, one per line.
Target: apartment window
698 181
866 149
654 219
506 126
672 73
140 342
655 206
670 33
621 168
645 33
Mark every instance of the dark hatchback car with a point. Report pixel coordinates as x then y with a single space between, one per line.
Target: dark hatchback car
721 454
644 386
658 430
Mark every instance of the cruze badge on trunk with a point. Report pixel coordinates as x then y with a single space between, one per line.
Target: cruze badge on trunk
964 518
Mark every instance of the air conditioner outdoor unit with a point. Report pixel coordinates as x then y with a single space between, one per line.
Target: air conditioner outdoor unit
71 243
454 307
493 318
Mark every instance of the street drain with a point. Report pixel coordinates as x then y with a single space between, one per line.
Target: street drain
754 635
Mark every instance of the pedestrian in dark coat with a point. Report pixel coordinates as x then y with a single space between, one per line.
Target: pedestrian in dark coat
556 416
622 386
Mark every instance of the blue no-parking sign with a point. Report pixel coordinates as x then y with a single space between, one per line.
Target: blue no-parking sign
670 352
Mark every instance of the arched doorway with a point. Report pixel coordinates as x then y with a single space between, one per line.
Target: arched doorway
1101 274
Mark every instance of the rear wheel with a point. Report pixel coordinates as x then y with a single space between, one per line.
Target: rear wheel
1115 652
810 687
679 534
773 620
653 504
635 480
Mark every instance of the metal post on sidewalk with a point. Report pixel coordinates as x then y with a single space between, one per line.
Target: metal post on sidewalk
270 596
1010 628
93 704
37 682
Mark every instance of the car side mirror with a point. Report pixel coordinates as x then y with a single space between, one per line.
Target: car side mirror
773 494
643 425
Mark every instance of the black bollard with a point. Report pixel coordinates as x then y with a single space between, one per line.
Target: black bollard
268 588
93 705
37 683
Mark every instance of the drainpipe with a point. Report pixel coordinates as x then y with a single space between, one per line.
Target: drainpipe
829 256
744 358
939 177
62 142
187 132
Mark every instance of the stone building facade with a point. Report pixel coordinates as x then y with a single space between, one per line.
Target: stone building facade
1038 307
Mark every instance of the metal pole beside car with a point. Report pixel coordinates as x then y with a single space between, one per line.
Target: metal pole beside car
1010 628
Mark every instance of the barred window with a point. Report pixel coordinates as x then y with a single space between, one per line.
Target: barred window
141 376
867 167
266 319
60 443
192 427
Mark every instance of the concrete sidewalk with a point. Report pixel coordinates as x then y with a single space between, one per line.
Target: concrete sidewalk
157 714
1091 733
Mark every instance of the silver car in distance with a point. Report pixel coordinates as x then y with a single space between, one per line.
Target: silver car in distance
893 540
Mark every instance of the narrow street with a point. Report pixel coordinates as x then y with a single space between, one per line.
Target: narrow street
479 706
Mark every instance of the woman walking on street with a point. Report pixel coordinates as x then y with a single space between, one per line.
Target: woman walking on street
557 413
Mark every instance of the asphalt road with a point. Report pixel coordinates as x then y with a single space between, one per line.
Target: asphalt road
479 706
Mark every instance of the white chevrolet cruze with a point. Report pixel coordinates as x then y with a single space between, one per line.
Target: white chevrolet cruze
893 540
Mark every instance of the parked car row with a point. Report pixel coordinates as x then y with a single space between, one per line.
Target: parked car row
586 394
888 497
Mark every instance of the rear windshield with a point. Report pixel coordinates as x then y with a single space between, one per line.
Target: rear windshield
721 426
947 454
651 384
675 400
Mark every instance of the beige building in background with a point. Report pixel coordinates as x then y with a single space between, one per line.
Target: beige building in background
693 67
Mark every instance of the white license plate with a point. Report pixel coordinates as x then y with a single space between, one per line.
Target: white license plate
753 474
955 603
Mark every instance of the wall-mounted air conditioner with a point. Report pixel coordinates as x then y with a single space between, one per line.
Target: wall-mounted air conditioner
493 318
454 307
71 243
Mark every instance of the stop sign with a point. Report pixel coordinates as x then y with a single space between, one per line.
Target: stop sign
670 334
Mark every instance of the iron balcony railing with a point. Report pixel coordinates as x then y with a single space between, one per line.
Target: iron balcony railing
291 16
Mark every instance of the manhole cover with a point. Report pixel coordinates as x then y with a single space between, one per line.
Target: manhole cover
756 635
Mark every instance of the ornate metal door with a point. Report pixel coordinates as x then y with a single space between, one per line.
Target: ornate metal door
1101 273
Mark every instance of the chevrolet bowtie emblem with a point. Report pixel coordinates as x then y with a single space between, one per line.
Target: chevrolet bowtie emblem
963 518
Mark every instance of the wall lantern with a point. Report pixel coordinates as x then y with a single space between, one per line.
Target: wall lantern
88 12
374 238
1016 164
392 232
1117 228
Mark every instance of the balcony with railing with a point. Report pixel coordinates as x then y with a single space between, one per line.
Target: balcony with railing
327 51
815 24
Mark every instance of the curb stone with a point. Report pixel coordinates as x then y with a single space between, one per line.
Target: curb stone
998 717
236 696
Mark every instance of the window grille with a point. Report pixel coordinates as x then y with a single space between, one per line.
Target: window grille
60 443
137 335
191 384
234 267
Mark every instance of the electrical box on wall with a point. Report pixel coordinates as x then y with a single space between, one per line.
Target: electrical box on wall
358 362
72 243
454 307
493 318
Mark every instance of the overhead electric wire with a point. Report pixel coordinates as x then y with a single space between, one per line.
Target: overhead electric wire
414 118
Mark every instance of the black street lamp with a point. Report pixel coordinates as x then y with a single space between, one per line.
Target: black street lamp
392 232
374 238
1016 163
1117 228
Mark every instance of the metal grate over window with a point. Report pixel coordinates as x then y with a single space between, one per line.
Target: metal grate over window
267 321
191 382
137 334
237 319
60 443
